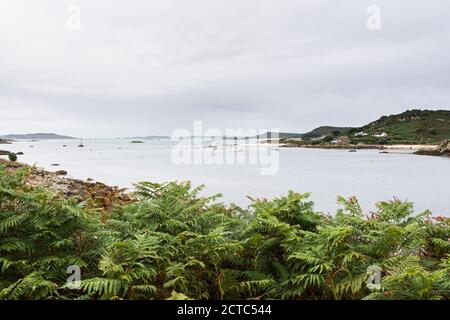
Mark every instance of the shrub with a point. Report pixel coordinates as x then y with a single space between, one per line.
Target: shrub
432 131
383 141
336 133
12 157
174 243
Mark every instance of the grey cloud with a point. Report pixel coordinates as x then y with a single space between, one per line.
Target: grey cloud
148 67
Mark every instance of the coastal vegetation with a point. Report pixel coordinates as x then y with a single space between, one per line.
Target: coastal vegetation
327 131
411 127
12 157
169 242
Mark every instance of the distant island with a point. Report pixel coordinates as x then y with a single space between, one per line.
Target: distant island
147 138
36 136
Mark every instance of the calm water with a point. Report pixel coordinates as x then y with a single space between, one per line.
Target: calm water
367 174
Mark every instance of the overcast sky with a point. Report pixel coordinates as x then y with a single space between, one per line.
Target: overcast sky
149 67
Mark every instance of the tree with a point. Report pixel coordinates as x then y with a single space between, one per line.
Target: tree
12 157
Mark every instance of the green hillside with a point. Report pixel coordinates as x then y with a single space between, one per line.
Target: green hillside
326 130
409 127
280 135
316 133
412 126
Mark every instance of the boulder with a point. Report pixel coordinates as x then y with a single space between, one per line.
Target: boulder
4 153
4 141
444 146
442 150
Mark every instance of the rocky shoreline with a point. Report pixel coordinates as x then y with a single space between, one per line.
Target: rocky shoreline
96 195
442 151
419 149
337 147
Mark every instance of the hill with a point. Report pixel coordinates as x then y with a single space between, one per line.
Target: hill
411 127
325 131
280 135
4 141
316 133
35 136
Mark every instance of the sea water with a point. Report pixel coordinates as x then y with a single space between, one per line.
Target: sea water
369 175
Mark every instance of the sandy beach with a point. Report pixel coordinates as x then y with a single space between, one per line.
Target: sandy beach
412 146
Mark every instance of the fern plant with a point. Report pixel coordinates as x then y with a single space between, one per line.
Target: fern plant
172 243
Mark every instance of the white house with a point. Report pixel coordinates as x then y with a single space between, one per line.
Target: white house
380 135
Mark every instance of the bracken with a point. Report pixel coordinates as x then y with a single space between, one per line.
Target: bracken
171 243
